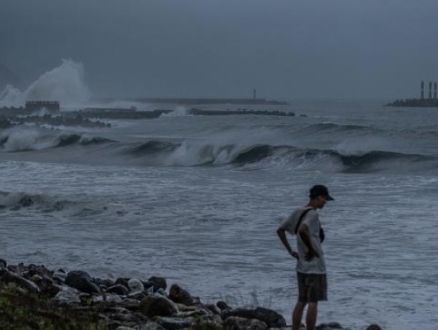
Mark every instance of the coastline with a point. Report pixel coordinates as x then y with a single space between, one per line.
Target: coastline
34 297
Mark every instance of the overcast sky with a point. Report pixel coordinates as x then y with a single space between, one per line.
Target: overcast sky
203 48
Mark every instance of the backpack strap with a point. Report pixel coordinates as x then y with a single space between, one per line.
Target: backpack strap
301 218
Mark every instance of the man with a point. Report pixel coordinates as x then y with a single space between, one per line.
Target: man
311 271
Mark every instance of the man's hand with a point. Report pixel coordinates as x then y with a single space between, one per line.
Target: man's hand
295 255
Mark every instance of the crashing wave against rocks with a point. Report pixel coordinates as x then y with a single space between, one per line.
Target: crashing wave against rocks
129 303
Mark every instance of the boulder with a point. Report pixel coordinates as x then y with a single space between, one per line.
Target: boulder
122 281
156 283
241 323
213 308
59 276
46 285
175 323
149 326
268 316
10 277
39 270
103 283
81 281
328 326
136 289
67 296
374 327
180 296
152 306
119 289
223 305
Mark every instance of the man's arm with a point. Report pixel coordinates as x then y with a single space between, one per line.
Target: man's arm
304 233
282 235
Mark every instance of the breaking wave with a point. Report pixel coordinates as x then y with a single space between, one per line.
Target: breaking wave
27 139
17 201
152 147
339 129
64 83
268 156
353 155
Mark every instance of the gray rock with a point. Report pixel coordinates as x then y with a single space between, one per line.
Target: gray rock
149 326
103 283
175 323
210 325
122 281
268 316
59 276
39 270
328 326
81 281
67 296
180 296
223 305
10 277
119 289
374 327
213 308
241 323
113 298
156 283
152 306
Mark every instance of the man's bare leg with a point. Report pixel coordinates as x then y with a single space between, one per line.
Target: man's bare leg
312 312
297 315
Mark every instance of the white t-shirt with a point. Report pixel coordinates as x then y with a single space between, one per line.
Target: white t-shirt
311 219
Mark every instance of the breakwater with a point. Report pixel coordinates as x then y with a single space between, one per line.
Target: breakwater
198 101
92 117
414 103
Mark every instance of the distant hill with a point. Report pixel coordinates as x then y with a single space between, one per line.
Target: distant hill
8 77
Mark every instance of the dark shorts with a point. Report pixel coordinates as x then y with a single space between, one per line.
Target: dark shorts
312 287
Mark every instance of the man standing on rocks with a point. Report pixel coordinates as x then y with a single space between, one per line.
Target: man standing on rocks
311 271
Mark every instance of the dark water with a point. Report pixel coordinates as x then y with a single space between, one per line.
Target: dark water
197 199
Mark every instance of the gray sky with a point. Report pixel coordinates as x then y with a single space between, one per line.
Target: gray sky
203 48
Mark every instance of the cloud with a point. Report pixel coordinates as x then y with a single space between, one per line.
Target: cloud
226 48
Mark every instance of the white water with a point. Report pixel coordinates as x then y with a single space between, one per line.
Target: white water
213 232
212 228
64 83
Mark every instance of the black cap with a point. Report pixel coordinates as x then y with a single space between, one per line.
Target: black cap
320 190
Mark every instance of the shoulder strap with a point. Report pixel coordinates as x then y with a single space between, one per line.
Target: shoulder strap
300 219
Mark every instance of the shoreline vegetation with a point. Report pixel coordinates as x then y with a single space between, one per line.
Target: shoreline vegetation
34 297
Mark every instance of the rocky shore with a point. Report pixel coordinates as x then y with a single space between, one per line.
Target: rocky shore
34 297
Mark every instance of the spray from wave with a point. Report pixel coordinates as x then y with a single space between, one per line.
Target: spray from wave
64 83
179 111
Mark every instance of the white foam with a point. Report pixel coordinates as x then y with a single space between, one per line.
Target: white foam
178 112
223 147
361 146
64 83
26 138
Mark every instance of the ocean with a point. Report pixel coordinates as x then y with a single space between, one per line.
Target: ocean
197 200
